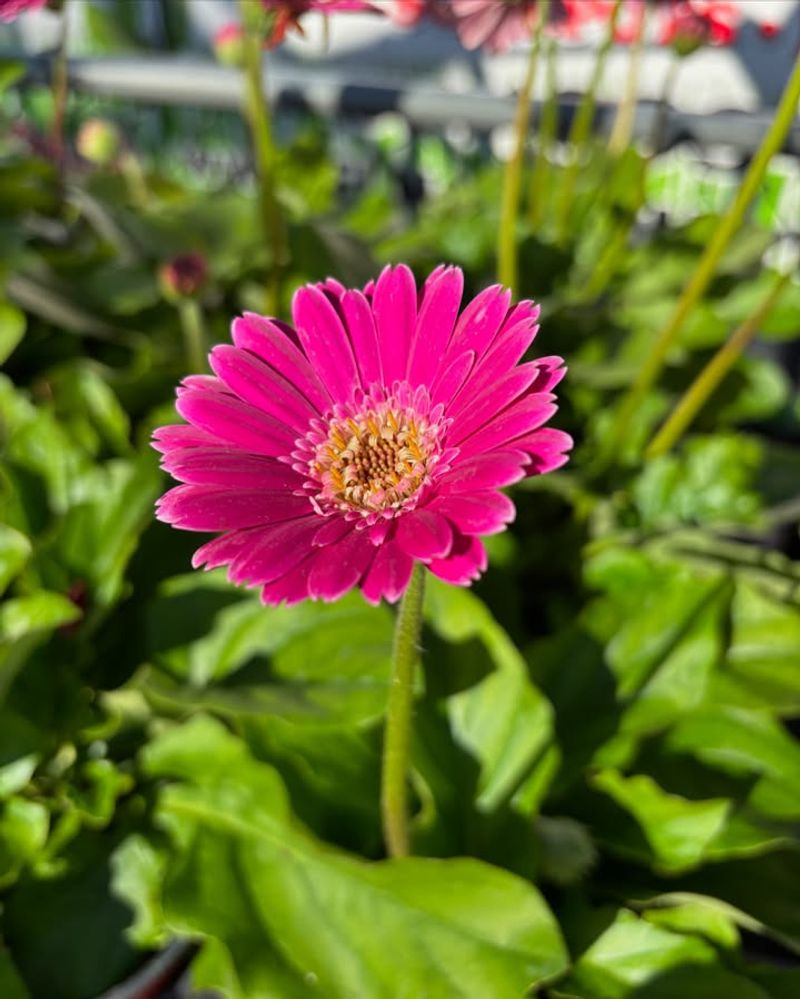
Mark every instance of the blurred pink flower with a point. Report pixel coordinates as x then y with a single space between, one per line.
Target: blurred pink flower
688 24
376 432
404 13
495 24
11 9
184 276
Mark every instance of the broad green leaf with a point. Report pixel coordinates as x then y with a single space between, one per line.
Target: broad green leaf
677 829
746 742
633 957
237 657
293 912
138 874
503 720
762 664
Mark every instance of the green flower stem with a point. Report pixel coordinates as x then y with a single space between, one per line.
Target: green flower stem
397 737
130 167
194 334
548 128
712 374
60 90
622 130
706 268
258 118
581 127
507 263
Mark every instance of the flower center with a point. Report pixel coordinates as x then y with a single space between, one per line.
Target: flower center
373 458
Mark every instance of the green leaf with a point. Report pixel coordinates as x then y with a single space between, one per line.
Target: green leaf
503 720
138 874
15 550
239 658
294 913
23 833
635 957
678 830
12 329
11 985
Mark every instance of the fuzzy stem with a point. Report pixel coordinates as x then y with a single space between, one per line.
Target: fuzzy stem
194 336
397 737
712 374
258 119
622 130
548 128
507 263
707 267
582 125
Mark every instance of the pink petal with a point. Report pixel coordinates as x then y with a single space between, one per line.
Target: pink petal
480 322
218 508
272 344
437 315
333 530
364 337
257 383
451 377
338 567
224 549
325 342
290 588
230 467
276 550
395 309
488 471
521 418
389 574
465 563
181 435
237 422
546 449
502 356
551 371
478 513
508 388
424 534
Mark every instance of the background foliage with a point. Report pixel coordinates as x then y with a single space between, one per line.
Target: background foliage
607 784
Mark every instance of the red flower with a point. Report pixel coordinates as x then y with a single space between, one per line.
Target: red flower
287 14
183 276
688 24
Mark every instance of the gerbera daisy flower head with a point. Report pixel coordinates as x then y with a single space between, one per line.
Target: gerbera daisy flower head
376 431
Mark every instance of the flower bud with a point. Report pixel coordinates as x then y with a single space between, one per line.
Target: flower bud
228 44
98 141
184 276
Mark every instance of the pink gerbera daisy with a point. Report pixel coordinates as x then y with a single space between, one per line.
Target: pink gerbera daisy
376 432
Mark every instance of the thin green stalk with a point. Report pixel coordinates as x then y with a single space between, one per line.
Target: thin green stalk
507 263
582 125
194 334
707 267
130 167
548 128
258 118
397 737
694 398
660 125
622 130
60 90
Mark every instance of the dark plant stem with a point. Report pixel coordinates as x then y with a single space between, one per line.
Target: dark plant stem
507 262
548 128
581 128
397 736
258 118
60 91
194 336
